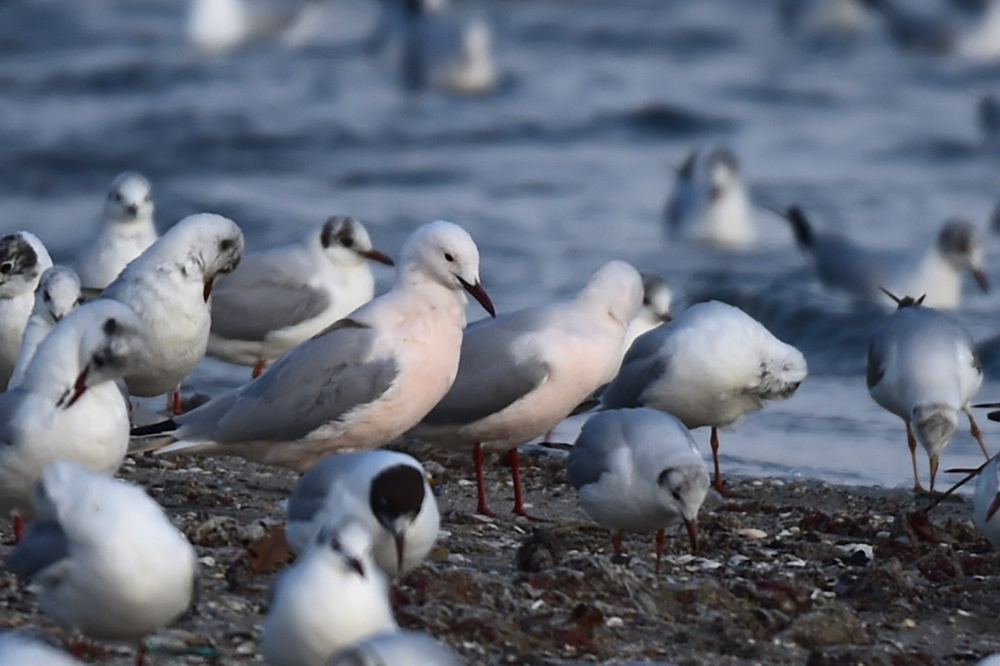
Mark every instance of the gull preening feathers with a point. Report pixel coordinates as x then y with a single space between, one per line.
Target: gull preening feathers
521 374
362 382
282 296
710 366
168 287
126 231
386 490
923 367
68 404
863 272
638 470
108 561
23 259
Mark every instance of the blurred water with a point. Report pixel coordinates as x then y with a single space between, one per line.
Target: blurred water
565 167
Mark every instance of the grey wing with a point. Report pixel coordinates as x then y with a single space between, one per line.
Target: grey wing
643 365
319 382
488 381
43 545
310 492
588 459
262 297
842 264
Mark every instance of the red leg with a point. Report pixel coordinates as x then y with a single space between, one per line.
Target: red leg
515 471
175 402
140 654
717 483
258 369
477 457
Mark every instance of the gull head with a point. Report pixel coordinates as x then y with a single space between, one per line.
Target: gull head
346 242
960 246
23 259
396 496
58 292
682 490
445 253
347 543
933 426
723 172
656 298
130 199
202 247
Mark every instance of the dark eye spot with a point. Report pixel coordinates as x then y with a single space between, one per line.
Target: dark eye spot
347 241
118 196
226 244
448 256
110 326
46 297
6 267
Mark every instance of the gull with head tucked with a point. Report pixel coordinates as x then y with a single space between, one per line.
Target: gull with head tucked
362 382
168 287
125 233
23 259
711 365
523 373
57 293
282 296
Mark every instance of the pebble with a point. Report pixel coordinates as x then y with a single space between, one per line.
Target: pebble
752 533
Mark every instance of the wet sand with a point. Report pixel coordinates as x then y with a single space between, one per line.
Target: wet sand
787 572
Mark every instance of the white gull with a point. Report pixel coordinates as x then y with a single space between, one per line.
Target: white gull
362 382
710 366
23 259
57 293
523 373
397 648
277 298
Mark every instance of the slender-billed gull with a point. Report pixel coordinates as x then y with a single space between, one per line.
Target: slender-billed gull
711 365
332 596
57 293
638 470
523 373
126 231
397 648
22 650
23 259
709 202
386 490
923 367
863 272
362 382
108 561
168 287
68 405
282 296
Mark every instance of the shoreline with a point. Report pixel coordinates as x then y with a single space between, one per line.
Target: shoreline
788 572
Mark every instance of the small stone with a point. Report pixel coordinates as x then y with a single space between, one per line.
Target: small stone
614 622
752 533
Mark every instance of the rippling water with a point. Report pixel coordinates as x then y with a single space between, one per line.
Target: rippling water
565 167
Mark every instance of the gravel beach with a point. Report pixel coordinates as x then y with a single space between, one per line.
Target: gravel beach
787 572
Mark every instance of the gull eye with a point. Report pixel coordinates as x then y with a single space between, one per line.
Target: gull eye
6 267
110 326
347 241
448 256
118 196
226 244
46 297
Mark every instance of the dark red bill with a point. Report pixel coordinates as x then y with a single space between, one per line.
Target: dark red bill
480 295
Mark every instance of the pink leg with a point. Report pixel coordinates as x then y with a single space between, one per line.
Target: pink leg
515 471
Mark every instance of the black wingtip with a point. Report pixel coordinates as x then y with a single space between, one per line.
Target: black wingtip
154 429
905 301
801 226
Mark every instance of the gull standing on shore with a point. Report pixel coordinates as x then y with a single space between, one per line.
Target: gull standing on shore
863 272
923 367
168 287
386 490
68 405
638 470
521 374
711 365
57 293
23 259
362 382
108 561
126 231
282 296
